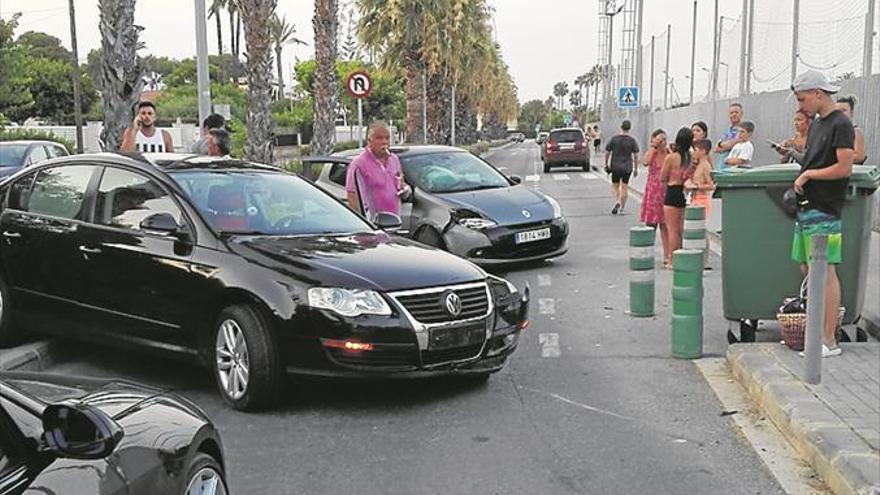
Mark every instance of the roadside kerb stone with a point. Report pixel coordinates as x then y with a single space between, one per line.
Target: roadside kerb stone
843 459
32 356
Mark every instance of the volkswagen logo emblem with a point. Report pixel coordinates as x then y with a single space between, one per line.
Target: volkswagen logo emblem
527 214
453 303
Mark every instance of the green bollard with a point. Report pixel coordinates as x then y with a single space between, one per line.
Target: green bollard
641 271
694 233
687 304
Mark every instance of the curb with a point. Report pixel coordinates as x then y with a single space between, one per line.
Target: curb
808 425
33 356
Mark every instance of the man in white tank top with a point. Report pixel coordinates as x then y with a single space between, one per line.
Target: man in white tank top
142 136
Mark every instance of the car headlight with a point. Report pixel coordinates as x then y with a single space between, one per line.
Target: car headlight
476 223
512 288
348 302
557 210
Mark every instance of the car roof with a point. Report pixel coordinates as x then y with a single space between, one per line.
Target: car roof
30 142
184 161
567 129
408 150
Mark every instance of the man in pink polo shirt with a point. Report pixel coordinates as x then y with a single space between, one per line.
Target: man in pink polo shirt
376 176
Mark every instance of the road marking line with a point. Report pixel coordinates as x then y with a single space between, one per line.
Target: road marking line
544 281
589 176
578 404
561 177
533 178
549 345
547 306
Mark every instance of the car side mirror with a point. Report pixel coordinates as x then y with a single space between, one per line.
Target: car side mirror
515 179
79 431
160 223
388 221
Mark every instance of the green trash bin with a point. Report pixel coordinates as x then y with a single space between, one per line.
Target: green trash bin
758 272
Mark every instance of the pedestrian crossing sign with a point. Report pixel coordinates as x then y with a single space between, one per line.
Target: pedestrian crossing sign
628 97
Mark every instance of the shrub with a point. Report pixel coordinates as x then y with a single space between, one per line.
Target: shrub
345 145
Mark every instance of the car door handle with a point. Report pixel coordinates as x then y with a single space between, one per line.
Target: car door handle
88 250
11 235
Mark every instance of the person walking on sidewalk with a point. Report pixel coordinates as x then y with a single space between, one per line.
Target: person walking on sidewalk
728 139
621 154
826 166
655 190
677 169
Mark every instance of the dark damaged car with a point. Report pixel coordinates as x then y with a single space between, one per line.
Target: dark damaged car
250 270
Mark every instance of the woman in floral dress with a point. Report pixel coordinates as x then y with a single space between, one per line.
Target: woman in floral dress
655 189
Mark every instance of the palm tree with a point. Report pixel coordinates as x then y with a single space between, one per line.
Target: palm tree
325 23
233 7
257 17
575 98
560 89
594 77
121 67
581 82
282 34
214 11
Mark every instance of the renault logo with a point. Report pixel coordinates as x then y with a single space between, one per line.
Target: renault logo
453 303
526 214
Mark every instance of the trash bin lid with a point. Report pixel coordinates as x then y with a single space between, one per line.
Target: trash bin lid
863 176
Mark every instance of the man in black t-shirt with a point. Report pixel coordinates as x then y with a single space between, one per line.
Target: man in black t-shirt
826 166
622 151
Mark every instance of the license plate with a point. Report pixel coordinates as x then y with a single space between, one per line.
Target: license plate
532 235
566 146
448 338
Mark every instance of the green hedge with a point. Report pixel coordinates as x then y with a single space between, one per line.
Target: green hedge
13 134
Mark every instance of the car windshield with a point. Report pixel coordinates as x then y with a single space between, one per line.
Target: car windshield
451 172
11 154
572 136
260 202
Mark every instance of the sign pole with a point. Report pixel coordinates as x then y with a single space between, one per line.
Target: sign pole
360 122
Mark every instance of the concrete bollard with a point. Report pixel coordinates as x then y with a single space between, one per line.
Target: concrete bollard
694 233
641 271
687 304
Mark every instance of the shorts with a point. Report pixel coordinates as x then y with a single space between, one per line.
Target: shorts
675 196
815 222
597 142
617 177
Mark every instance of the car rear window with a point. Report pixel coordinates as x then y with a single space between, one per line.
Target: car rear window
572 136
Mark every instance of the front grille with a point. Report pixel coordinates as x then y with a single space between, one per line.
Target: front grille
399 357
430 307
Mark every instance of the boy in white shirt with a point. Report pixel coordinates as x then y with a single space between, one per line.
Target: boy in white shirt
742 152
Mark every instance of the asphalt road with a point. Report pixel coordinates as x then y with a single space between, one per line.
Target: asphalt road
591 402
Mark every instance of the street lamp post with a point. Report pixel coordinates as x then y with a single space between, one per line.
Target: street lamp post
726 80
610 16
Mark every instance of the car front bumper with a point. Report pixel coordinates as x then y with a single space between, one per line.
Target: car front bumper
497 245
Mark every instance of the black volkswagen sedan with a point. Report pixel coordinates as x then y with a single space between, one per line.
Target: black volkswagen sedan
244 267
464 205
84 436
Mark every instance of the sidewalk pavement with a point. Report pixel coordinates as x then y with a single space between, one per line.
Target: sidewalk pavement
835 425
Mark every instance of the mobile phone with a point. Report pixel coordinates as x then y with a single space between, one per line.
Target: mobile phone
774 145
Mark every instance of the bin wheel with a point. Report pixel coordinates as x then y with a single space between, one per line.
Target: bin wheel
861 335
842 336
747 330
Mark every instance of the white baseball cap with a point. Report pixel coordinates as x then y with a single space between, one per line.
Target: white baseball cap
812 79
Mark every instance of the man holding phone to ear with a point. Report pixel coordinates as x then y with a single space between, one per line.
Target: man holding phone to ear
143 136
826 166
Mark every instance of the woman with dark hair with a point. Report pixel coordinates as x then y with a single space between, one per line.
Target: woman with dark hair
798 142
655 189
677 169
847 105
700 130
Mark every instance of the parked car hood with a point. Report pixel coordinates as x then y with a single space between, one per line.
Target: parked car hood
374 261
503 205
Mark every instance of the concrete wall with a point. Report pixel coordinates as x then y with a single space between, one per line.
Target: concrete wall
772 114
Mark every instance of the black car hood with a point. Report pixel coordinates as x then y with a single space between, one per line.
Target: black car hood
504 205
113 397
374 261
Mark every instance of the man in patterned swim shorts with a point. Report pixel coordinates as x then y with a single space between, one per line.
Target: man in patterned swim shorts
826 166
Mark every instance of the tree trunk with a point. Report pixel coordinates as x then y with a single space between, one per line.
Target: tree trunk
413 93
258 39
439 104
238 35
232 48
219 33
74 59
122 71
465 120
325 23
280 72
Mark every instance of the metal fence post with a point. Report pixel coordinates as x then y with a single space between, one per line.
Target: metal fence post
687 304
815 308
641 271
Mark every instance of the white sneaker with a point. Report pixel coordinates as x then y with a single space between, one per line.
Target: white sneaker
826 351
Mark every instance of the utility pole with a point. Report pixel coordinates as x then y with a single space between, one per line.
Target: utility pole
204 87
666 72
651 93
869 38
743 48
608 69
751 47
713 87
641 8
693 53
77 106
794 37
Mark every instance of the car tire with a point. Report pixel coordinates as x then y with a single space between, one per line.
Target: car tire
10 335
586 167
430 237
257 364
204 471
546 168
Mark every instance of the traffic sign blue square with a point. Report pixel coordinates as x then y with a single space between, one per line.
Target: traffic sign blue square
628 97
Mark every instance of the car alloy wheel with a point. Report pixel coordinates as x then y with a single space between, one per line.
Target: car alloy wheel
233 363
206 482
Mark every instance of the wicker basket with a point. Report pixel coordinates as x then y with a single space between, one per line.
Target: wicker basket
794 327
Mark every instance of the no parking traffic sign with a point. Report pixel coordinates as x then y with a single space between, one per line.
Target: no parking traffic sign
358 84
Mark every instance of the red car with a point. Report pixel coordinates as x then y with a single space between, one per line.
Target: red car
566 147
